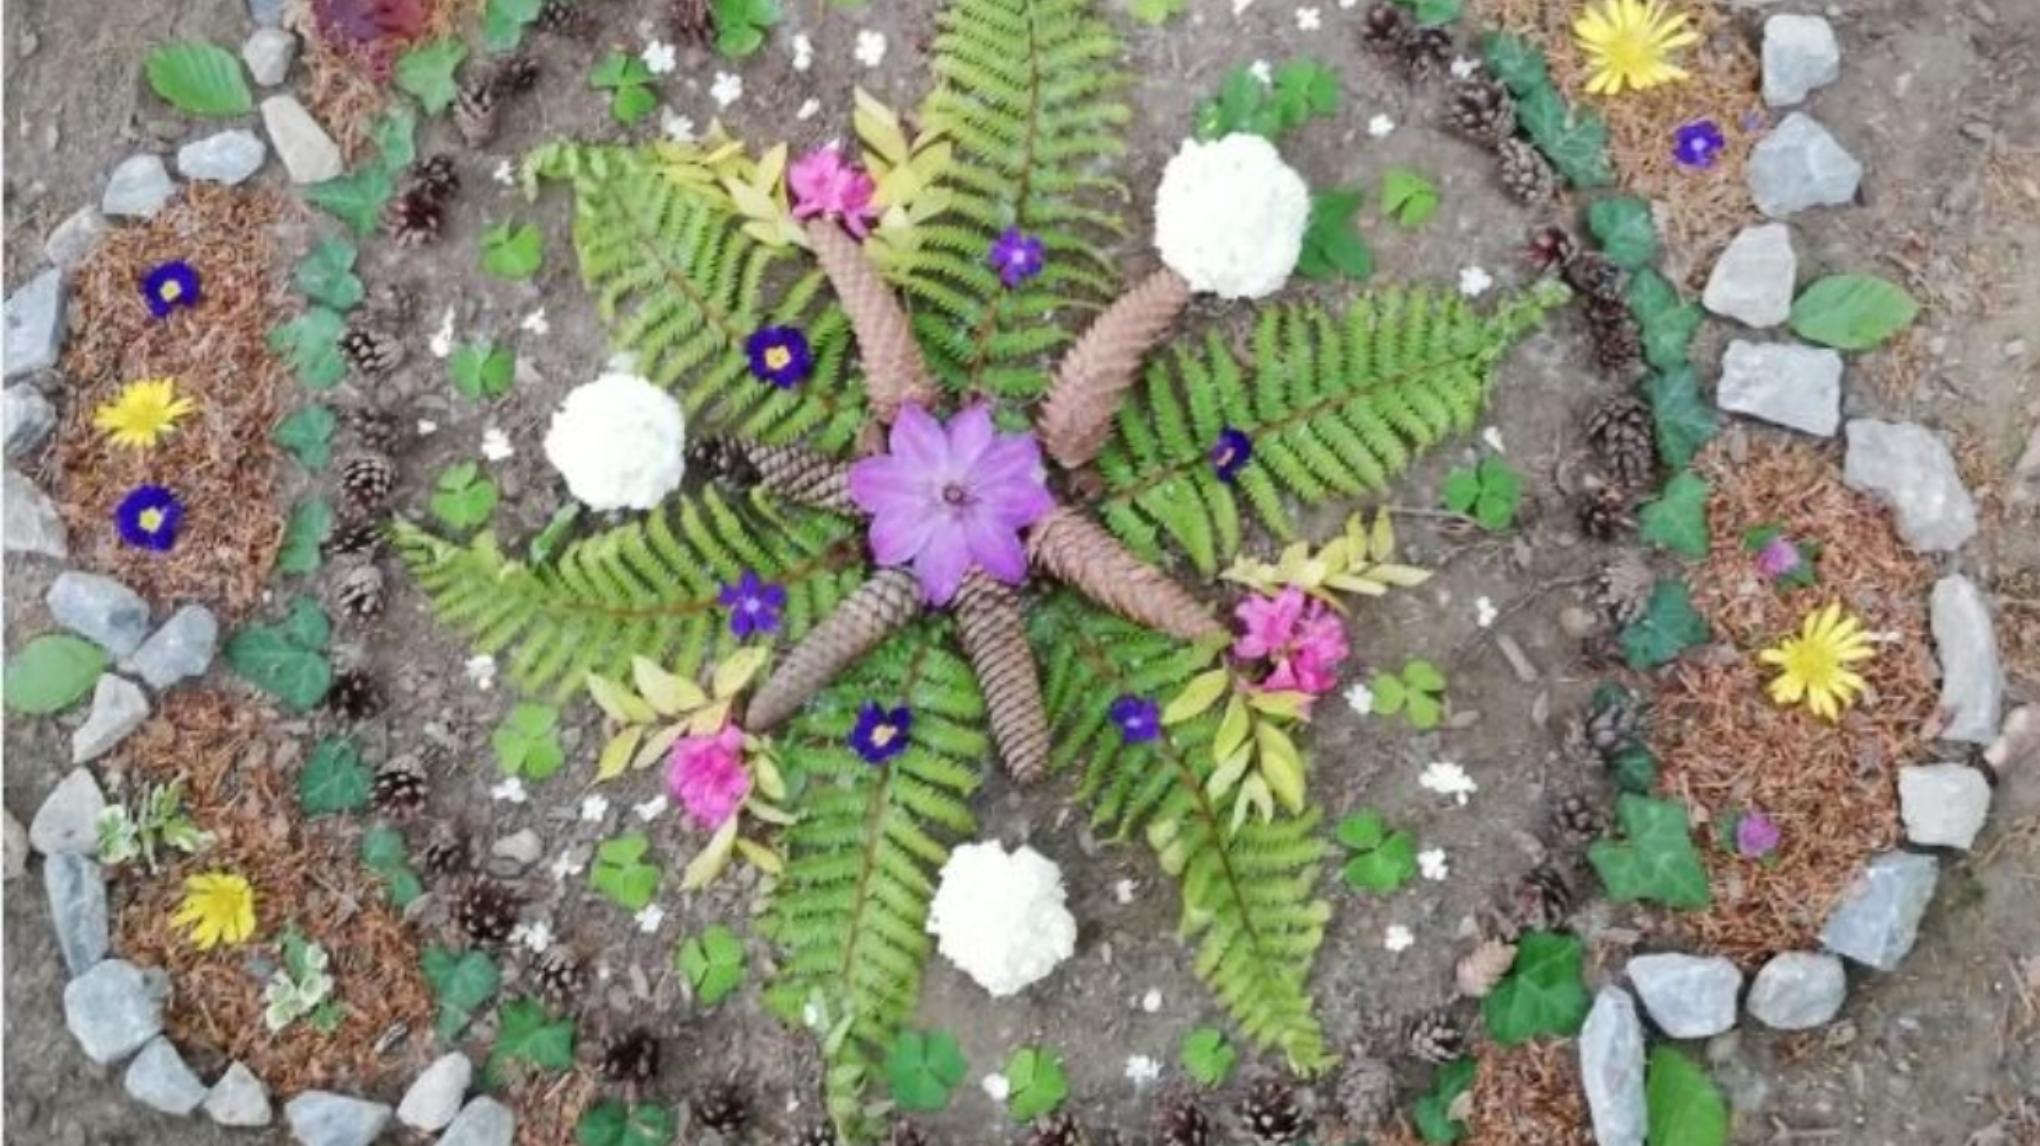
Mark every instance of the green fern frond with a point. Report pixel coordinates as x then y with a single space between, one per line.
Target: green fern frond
1249 900
849 913
1334 407
643 589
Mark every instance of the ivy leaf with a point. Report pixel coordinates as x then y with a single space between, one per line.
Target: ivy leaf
1684 420
396 137
334 780
1575 140
286 660
922 1068
1155 12
1685 1107
327 275
1038 1084
1669 626
512 250
1332 246
463 497
1677 520
51 673
357 198
303 532
1208 1057
527 743
482 370
1433 1112
426 72
1433 13
1656 861
1667 323
503 23
1622 225
310 345
199 78
1407 197
308 436
611 1122
1516 63
461 984
620 872
713 962
1543 993
740 25
384 853
532 1036
1852 312
1634 768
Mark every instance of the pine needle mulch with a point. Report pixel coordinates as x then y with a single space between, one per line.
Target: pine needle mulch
1529 1095
240 784
350 83
219 460
549 1106
1724 748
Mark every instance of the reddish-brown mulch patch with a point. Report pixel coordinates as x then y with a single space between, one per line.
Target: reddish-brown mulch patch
240 784
1529 1095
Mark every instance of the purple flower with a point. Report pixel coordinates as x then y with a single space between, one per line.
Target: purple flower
949 499
753 604
780 355
169 286
881 733
1779 557
1756 836
1017 256
1233 451
1697 143
148 517
1138 718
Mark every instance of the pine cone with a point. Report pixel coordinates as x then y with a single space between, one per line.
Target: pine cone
448 852
414 218
1614 721
1624 588
723 1108
1387 24
907 1133
1480 109
1057 1130
563 18
1618 349
1271 1113
691 22
879 607
393 304
1526 175
1076 418
1366 1091
487 911
894 372
1623 434
631 1057
993 627
1552 246
1604 513
474 112
1483 967
1434 1037
821 1133
1577 821
723 460
1075 550
372 428
1591 274
1541 901
354 695
561 976
367 479
516 75
795 473
359 590
371 350
1182 1122
399 788
360 538
1425 52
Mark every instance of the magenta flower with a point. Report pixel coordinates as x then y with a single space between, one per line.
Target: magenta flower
949 499
1298 636
706 774
1778 558
825 185
1756 836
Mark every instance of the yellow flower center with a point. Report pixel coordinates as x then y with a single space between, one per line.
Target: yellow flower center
150 520
172 290
778 357
1814 662
882 735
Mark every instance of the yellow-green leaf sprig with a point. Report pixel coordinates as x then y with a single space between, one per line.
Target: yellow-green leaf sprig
1258 762
1359 562
908 172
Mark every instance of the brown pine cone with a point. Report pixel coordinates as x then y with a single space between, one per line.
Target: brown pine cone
561 976
1366 1091
371 350
723 1108
1272 1114
474 112
1526 174
1604 514
366 480
391 304
1615 720
1077 416
1080 553
1434 1037
1549 247
359 591
372 428
1180 1121
993 627
415 218
1577 821
516 75
861 621
1541 901
1425 52
435 176
1618 348
691 22
447 852
1623 435
795 473
1387 23
563 18
354 695
487 911
399 788
895 372
630 1057
1591 274
1480 969
1480 109
1057 1130
1623 590
821 1133
359 538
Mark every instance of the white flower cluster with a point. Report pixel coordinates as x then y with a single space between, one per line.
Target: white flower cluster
1230 216
619 441
1000 917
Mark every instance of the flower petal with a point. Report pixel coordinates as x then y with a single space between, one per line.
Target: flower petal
941 564
917 440
971 433
897 538
996 548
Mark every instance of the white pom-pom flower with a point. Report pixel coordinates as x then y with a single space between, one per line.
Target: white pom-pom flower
619 441
1230 216
1000 917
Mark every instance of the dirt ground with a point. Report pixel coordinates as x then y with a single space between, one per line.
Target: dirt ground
1942 102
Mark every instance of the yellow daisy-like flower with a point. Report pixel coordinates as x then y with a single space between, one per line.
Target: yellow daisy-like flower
1629 42
219 907
144 412
1815 664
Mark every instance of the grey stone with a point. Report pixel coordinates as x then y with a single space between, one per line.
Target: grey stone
1800 54
1785 383
229 157
269 54
100 609
1798 990
435 1097
1752 281
238 1099
1908 466
75 237
159 1078
308 153
1688 996
29 522
77 893
114 1009
522 848
484 1122
1799 165
321 1118
1972 675
28 417
267 13
138 188
182 648
1611 1069
67 822
14 841
35 325
1878 918
119 706
1943 805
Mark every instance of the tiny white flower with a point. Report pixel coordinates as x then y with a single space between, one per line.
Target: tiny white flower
1397 937
1360 698
676 127
1344 4
997 1087
496 445
727 89
427 427
1493 437
505 173
1484 612
536 323
811 1015
870 49
1152 1001
1474 281
1448 779
651 809
481 669
649 919
1431 862
1240 6
1123 890
535 936
659 57
565 866
809 108
1463 68
1380 126
803 52
1262 70
594 806
1141 1070
510 791
442 339
1308 20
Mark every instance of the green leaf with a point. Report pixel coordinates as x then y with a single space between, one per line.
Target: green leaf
921 1069
426 72
1304 89
1516 63
530 1035
1684 420
713 962
1155 12
357 198
527 743
1634 768
333 780
463 497
555 532
384 853
303 532
1332 246
1433 13
1462 489
740 25
632 104
1385 867
1852 312
461 984
199 78
1433 1112
612 1122
327 275
503 23
1490 492
287 660
1362 831
1669 626
512 250
1657 861
1038 1084
1543 993
620 872
395 136
310 345
1622 224
482 370
1686 1108
51 673
1208 1057
1407 197
1677 520
307 435
1575 140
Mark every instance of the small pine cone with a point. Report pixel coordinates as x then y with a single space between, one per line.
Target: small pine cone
821 1133
1623 435
563 18
691 22
1365 1091
631 1056
725 460
354 695
362 538
1526 174
415 218
1623 590
1387 24
1594 276
895 370
1577 821
448 852
991 622
367 479
1073 549
906 1133
1480 109
487 911
1618 347
371 350
1614 721
723 1108
372 428
796 473
866 617
360 591
435 177
1541 901
1076 419
399 788
1057 1130
1272 1114
391 303
1604 514
516 75
1182 1122
1483 967
1433 1037
1425 52
474 113
1549 247
561 977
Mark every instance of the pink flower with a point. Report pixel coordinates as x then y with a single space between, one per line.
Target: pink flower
1756 835
1778 558
1297 635
950 499
824 184
707 775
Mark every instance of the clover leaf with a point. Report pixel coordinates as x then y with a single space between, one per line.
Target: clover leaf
1488 492
1432 1114
1684 1106
1656 860
310 345
1677 520
1407 197
1543 993
512 251
333 780
1036 1082
620 872
463 497
482 370
1332 246
713 962
1383 860
1296 92
527 743
740 25
1669 626
327 275
304 531
1852 312
922 1068
426 72
384 853
461 983
529 1034
1208 1057
287 659
629 81
308 436
1417 692
51 673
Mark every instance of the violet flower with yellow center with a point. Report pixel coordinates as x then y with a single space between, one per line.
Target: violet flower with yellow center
1814 666
144 412
1629 43
149 517
169 287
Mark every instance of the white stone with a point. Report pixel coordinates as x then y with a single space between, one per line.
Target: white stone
230 157
1785 383
1611 1069
1909 466
483 1122
238 1099
1878 920
67 820
1752 281
115 1008
158 1078
1800 165
322 1118
308 153
520 849
1798 990
1800 54
181 649
28 418
435 1097
138 188
35 325
77 894
119 706
100 609
1688 996
29 522
1972 674
269 54
15 838
74 238
1943 805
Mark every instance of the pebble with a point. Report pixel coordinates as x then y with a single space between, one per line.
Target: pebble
1800 54
1800 165
1784 383
27 417
29 522
1972 673
1943 805
238 1099
1908 466
138 188
269 54
1688 996
119 706
435 1097
77 894
322 1118
100 609
14 842
230 157
484 1122
308 153
1611 1069
67 821
521 849
35 325
114 1009
267 13
182 648
1752 281
1798 990
159 1078
74 238
1878 919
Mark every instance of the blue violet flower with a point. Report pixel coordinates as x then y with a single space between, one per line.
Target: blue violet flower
1017 256
170 286
753 604
1233 451
881 733
148 518
1698 143
780 355
1138 718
